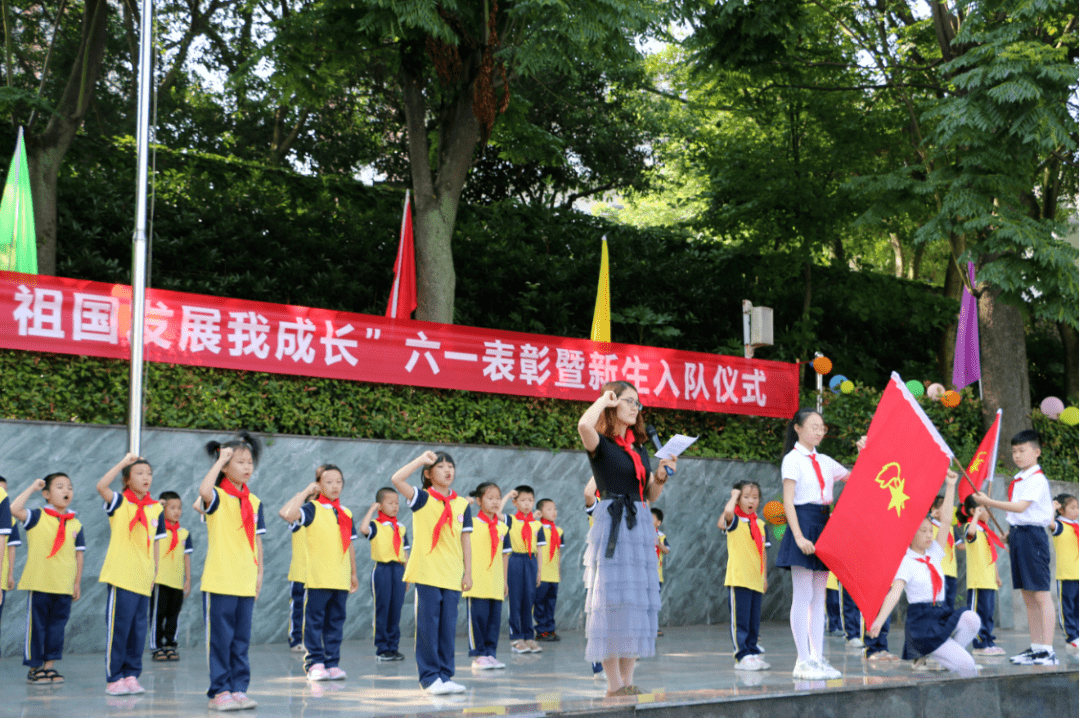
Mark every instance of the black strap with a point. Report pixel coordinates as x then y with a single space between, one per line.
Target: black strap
619 504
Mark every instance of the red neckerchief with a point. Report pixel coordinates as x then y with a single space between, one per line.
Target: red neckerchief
553 538
446 518
935 577
392 520
627 443
174 529
493 532
247 513
992 539
820 477
61 531
526 530
1018 479
140 512
344 522
755 533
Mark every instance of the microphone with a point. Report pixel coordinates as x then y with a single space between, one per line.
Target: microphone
651 431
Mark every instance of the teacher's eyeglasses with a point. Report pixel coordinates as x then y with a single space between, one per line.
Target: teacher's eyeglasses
632 402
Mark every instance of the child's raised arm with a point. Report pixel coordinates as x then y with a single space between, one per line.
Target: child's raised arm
729 510
110 475
290 512
887 607
206 487
18 506
365 523
946 509
400 479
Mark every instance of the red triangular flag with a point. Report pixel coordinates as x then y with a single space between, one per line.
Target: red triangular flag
888 494
403 294
983 463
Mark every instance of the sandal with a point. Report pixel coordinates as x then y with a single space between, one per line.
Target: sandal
38 676
53 676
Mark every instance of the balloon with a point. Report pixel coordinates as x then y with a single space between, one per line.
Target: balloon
822 365
835 383
951 399
774 513
1070 416
915 387
1052 406
778 531
935 391
847 386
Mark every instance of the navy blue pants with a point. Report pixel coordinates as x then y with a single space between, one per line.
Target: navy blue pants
832 610
1069 601
982 601
324 625
879 644
544 606
388 595
165 605
126 616
296 613
46 618
485 619
436 622
745 620
521 582
950 591
228 635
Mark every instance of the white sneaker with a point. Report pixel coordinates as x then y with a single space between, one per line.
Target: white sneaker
452 687
827 672
438 688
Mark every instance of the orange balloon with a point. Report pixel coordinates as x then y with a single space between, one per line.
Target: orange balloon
774 513
822 365
951 399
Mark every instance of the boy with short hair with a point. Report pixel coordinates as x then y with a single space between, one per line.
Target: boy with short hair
662 549
173 580
390 552
1029 511
523 572
550 562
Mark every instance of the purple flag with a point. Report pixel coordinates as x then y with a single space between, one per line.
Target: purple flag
966 368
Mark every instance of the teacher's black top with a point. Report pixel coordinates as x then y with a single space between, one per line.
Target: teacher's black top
614 469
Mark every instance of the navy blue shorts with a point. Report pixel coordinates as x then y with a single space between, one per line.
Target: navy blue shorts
1029 554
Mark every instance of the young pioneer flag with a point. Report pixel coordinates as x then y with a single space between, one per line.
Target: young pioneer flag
403 294
982 464
18 238
601 322
888 494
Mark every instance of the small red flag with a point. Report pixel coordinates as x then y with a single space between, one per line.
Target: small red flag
983 463
403 294
888 494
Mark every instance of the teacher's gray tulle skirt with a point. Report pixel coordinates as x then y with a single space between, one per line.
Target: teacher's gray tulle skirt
622 593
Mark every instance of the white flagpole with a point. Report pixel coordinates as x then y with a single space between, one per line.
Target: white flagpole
138 240
400 259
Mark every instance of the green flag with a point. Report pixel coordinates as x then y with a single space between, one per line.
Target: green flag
18 241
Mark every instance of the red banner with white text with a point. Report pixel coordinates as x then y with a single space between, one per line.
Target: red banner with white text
70 316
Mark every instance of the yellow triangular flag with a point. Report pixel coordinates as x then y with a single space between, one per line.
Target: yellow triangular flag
601 323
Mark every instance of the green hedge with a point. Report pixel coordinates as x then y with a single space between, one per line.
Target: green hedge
54 387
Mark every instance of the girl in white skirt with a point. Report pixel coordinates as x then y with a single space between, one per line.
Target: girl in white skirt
621 580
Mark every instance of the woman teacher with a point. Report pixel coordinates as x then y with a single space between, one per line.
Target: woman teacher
622 599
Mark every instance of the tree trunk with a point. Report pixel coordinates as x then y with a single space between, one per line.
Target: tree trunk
1004 368
1068 343
436 198
45 151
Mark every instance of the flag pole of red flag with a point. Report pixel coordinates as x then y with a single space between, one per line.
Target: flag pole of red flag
888 494
403 295
982 464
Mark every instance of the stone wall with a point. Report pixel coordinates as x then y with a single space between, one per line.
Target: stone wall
694 591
